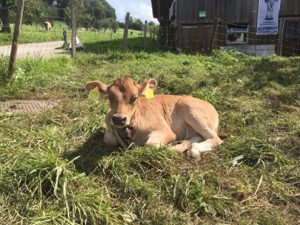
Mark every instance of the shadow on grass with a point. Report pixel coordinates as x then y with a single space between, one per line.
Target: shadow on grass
137 44
89 154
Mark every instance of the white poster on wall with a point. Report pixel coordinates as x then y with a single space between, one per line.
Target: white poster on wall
267 17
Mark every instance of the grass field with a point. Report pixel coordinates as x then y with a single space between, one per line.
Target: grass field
95 41
54 168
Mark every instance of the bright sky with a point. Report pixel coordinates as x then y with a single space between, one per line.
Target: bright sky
139 9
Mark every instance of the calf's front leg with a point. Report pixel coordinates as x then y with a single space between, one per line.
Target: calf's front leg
159 138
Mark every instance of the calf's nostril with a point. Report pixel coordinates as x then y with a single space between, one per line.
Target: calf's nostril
119 120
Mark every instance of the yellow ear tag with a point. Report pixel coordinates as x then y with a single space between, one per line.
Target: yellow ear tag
149 93
94 94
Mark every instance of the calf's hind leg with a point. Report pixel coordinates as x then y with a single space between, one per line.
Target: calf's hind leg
207 145
209 135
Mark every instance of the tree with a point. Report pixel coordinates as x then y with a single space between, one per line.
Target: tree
152 29
114 25
135 24
4 15
151 24
105 24
58 3
35 11
89 13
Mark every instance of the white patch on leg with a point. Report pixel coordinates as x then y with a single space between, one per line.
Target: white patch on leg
202 147
197 148
193 153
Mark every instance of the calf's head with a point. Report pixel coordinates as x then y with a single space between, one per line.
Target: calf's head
123 95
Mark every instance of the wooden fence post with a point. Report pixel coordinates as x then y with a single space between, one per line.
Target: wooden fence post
213 35
73 39
14 46
280 35
125 36
145 34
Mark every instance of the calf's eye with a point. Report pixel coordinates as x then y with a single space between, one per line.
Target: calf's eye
133 99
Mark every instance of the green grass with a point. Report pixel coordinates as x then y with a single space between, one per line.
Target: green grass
35 33
94 41
54 168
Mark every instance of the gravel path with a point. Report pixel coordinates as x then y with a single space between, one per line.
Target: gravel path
44 49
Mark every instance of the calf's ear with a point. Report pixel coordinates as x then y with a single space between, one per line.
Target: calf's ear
97 84
148 84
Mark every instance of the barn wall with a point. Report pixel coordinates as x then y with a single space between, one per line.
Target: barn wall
234 10
191 33
289 8
195 33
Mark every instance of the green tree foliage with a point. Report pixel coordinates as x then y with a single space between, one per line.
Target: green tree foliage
137 25
34 11
109 23
89 13
4 14
58 3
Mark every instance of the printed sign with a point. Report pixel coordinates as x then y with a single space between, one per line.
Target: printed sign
202 14
267 17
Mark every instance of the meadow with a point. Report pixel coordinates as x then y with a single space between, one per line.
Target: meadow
95 41
54 168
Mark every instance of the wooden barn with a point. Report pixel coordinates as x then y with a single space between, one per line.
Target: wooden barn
195 26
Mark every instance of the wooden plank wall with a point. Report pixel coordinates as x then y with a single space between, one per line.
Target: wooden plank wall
193 33
234 10
195 38
290 8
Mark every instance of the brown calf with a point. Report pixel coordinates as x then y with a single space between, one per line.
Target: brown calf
187 123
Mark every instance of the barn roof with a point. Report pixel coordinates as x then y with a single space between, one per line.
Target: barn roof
160 8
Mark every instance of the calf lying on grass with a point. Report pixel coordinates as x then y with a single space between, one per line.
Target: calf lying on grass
187 123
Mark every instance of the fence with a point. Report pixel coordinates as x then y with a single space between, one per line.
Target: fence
93 40
204 37
56 39
243 38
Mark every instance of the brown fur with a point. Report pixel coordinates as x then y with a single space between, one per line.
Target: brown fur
187 123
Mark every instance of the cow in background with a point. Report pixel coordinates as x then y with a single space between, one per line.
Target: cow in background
47 25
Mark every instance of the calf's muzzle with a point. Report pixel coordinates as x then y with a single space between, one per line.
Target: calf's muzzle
119 120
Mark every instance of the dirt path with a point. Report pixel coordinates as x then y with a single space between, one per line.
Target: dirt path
44 49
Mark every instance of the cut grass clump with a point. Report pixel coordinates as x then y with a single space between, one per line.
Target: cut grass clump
42 187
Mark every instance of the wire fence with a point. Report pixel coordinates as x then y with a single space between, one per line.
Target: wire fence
56 39
244 38
92 40
204 37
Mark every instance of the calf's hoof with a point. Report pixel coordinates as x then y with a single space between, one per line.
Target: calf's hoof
193 153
